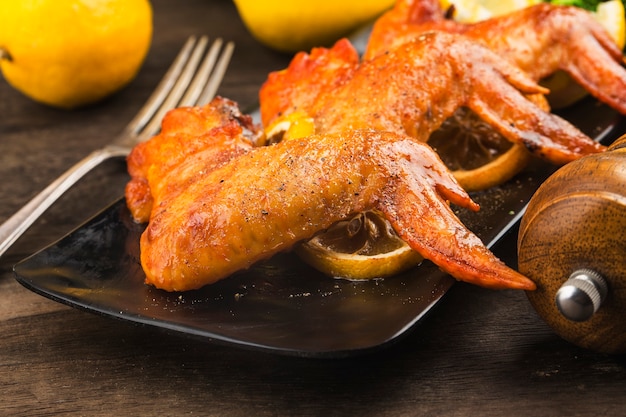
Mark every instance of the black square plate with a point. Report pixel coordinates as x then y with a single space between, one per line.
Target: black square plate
279 305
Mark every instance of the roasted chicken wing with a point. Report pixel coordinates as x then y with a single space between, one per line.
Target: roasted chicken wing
539 40
217 202
269 198
413 88
193 140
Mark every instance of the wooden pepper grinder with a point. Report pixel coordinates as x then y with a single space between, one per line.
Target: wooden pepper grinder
572 243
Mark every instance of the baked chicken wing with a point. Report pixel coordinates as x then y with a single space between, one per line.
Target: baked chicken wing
540 40
193 140
217 202
413 88
267 199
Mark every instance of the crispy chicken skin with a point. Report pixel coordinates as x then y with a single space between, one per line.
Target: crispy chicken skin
217 203
413 88
193 140
539 40
271 197
308 77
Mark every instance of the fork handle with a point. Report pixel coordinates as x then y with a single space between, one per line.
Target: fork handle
17 224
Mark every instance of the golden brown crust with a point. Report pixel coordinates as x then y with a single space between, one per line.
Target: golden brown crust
413 88
193 140
539 40
270 198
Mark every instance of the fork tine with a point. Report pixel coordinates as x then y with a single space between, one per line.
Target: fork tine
202 75
195 89
162 90
218 74
177 91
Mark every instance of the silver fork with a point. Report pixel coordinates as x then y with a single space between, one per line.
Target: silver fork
190 80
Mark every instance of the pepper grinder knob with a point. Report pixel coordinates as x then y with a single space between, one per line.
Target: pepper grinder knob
576 221
581 295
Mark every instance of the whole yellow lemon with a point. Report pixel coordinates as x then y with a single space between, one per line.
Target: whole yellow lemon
70 53
291 26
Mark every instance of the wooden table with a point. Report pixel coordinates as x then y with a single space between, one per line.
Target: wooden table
480 352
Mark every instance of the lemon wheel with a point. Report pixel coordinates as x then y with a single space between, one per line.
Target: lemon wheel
362 247
507 165
478 156
366 246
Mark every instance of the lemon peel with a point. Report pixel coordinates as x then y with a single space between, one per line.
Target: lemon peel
296 26
611 15
469 11
291 126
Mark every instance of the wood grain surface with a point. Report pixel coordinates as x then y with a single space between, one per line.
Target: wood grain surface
479 353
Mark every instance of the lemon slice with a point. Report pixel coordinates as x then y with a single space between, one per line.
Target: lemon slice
291 126
478 156
362 247
564 91
469 11
500 7
611 15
